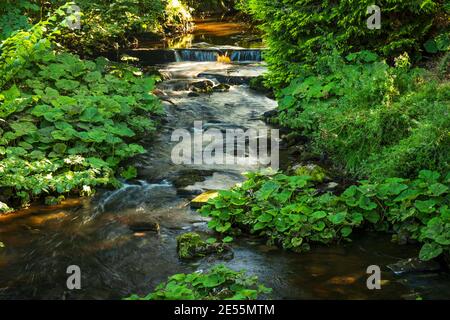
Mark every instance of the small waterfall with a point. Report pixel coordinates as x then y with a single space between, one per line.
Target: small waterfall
197 55
246 55
129 195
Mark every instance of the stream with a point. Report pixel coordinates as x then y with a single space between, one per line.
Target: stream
110 236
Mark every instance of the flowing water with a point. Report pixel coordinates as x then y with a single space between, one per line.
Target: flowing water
114 237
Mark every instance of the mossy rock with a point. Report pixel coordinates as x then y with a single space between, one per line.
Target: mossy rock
190 246
317 173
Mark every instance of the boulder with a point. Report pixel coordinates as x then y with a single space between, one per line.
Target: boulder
414 265
221 87
190 246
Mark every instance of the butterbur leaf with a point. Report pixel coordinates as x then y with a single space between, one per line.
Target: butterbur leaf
227 239
429 176
438 189
372 216
265 217
266 190
430 46
338 218
23 128
426 206
60 148
346 231
366 204
430 251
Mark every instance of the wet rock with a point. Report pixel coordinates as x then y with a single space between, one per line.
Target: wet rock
202 85
189 177
202 199
193 94
221 88
271 114
190 246
144 226
231 80
414 265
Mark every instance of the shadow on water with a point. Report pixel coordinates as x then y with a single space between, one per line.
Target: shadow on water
124 240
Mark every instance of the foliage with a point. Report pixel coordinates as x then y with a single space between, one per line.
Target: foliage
288 210
372 119
190 246
14 15
220 283
296 31
104 24
65 123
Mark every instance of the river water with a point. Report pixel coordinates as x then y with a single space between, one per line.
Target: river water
106 236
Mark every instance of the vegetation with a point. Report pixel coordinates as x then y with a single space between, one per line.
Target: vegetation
371 119
103 25
66 123
356 92
292 212
220 283
190 246
296 31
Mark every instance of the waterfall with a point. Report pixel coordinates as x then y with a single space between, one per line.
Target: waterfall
240 55
197 55
246 55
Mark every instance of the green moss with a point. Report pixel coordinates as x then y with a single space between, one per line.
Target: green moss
190 246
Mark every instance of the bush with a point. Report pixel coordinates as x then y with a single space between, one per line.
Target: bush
104 24
220 283
66 124
298 31
290 211
372 119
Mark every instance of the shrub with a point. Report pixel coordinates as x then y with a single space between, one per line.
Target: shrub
220 283
372 119
298 31
288 210
65 123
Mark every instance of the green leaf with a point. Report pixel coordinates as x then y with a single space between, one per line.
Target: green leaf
366 204
338 218
372 216
430 46
430 251
265 217
346 231
129 173
438 189
67 85
266 190
60 148
227 239
426 206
